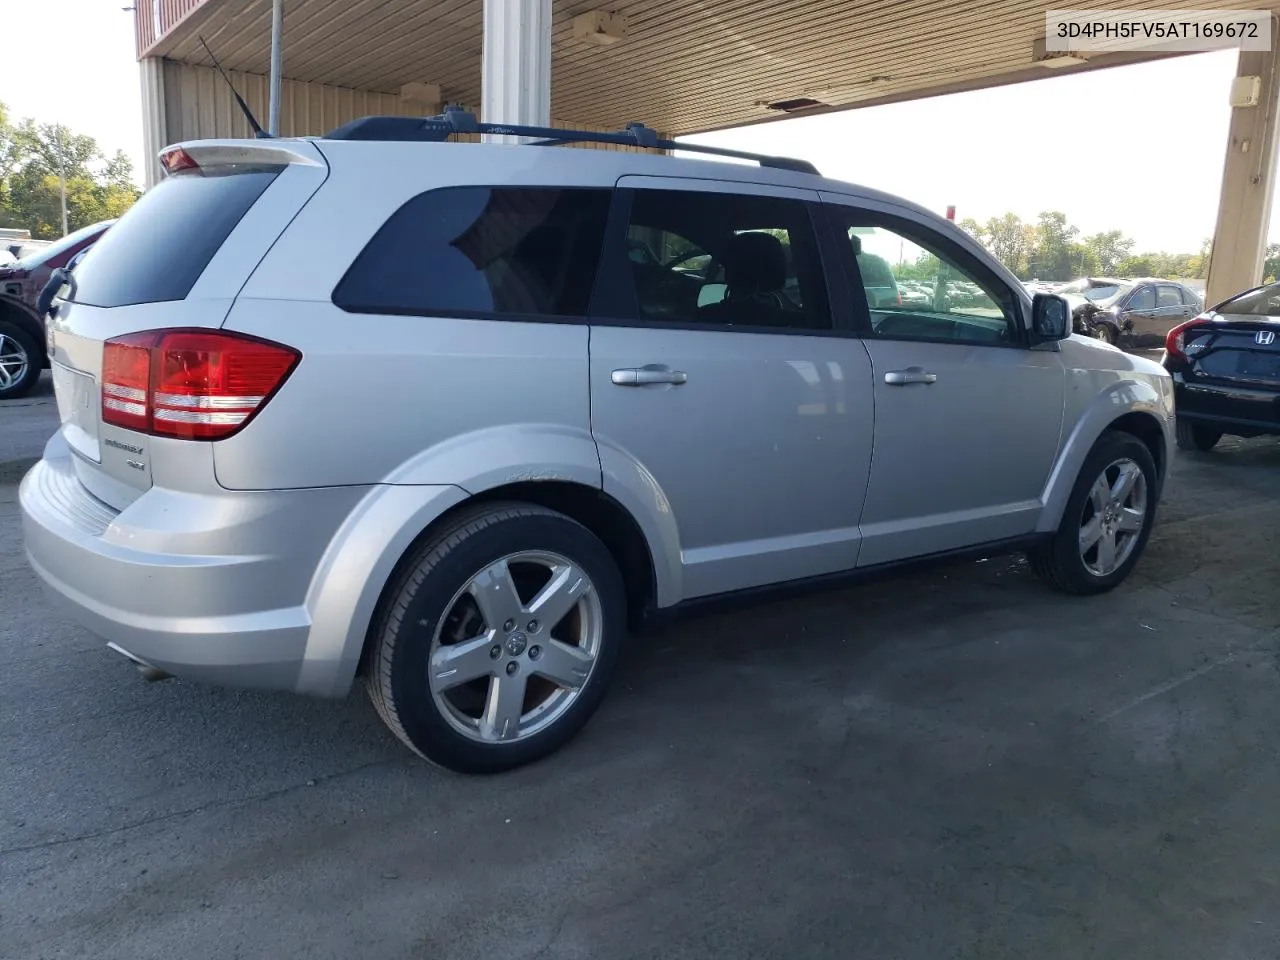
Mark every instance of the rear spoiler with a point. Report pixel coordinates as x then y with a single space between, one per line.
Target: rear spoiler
198 154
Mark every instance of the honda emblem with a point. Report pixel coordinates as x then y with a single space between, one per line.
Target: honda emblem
1265 337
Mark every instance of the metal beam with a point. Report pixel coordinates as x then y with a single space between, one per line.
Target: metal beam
515 76
277 65
1248 179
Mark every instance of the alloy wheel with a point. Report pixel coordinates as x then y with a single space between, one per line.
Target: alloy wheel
1113 517
515 647
14 362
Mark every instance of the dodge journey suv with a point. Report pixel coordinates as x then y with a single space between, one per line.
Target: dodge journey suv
385 406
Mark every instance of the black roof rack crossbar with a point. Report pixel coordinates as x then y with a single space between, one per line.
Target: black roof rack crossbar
453 120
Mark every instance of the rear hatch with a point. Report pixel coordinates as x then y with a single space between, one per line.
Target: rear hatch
177 259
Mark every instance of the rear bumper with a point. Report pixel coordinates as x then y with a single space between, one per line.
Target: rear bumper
209 586
1246 409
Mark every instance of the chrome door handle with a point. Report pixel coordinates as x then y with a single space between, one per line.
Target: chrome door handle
900 378
643 376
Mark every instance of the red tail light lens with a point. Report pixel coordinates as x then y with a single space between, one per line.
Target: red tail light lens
126 381
1175 339
192 384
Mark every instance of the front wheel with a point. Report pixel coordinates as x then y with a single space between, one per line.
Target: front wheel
1107 519
1106 333
499 639
1196 436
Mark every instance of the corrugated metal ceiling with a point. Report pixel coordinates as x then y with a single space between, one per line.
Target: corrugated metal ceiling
686 65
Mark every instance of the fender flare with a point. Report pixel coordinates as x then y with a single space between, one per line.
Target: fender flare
1118 400
362 556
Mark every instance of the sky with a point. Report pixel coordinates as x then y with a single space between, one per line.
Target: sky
1139 149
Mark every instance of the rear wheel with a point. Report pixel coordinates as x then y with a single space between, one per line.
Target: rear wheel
1107 519
19 361
1197 436
499 640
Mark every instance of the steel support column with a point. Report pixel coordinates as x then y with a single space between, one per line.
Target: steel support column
1248 179
515 79
154 127
277 66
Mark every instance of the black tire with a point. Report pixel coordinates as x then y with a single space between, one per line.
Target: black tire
1106 333
14 338
1059 562
1197 436
397 674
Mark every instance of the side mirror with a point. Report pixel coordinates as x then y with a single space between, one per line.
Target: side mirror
1050 318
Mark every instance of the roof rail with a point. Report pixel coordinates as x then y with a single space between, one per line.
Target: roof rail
455 120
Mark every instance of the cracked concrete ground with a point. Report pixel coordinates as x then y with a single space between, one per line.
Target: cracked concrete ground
959 764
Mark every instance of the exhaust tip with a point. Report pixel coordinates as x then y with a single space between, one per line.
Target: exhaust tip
149 672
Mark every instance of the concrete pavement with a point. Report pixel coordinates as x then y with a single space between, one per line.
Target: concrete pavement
960 764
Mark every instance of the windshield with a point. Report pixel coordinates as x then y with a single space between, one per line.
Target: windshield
1095 291
55 248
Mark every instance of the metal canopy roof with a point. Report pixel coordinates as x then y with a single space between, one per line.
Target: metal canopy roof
684 66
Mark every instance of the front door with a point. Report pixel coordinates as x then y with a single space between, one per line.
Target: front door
721 394
967 416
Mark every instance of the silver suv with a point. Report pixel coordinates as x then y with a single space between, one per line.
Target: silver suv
385 406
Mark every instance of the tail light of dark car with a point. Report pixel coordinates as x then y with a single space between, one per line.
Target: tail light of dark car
1175 340
190 384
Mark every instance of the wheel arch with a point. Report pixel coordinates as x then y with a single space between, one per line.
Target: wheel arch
350 593
594 509
1130 406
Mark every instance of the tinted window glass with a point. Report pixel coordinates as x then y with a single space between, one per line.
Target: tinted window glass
1263 302
918 286
1142 299
529 251
727 259
1190 297
161 246
1168 297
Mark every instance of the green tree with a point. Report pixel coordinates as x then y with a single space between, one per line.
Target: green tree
1006 237
1271 266
44 165
1053 247
1108 248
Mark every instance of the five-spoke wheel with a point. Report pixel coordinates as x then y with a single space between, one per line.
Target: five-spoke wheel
498 639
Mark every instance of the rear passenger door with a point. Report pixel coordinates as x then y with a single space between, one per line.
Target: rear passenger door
722 393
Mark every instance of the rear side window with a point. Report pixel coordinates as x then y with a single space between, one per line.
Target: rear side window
1262 302
161 246
482 251
1169 297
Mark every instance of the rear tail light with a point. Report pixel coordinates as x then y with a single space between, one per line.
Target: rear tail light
191 384
899 292
1175 339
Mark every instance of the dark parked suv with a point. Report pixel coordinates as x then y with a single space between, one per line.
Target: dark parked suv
22 341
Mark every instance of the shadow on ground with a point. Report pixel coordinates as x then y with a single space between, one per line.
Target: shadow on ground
960 764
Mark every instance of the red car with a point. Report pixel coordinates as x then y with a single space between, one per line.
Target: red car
22 337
